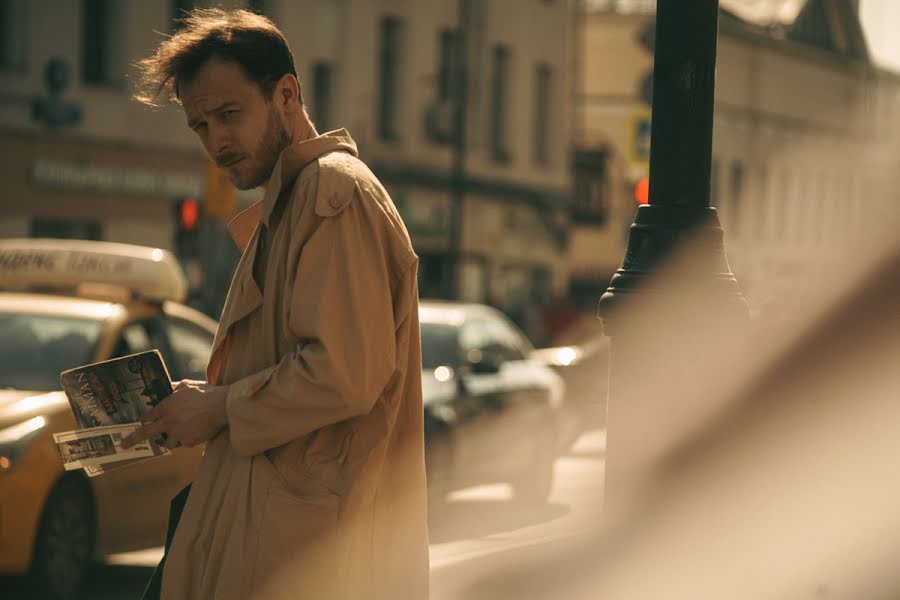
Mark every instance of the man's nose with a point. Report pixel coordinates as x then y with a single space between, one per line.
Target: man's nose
218 140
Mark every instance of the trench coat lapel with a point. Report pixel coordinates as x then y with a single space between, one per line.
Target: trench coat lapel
244 297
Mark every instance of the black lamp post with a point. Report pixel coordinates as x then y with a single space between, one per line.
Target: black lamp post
678 211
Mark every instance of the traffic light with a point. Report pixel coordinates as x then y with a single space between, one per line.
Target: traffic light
642 191
188 214
187 227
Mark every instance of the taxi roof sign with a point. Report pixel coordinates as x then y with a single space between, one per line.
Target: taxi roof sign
146 272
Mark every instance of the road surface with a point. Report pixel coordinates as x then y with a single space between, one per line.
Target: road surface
478 523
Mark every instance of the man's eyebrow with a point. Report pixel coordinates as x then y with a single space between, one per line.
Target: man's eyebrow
225 105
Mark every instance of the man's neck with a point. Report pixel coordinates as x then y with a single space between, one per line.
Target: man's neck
305 130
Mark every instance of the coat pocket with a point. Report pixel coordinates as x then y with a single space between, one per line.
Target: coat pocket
297 545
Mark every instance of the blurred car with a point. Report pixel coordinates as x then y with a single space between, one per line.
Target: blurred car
491 411
64 303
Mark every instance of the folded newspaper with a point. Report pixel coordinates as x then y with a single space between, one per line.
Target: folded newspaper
108 400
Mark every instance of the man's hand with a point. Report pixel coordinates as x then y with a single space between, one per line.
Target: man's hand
193 414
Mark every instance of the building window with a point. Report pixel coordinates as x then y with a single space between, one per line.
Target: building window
440 117
590 206
100 50
736 191
446 65
12 34
814 26
801 202
322 79
819 209
763 197
542 88
66 229
389 77
499 108
435 275
780 200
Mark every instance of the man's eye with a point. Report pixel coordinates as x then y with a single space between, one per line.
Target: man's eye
228 114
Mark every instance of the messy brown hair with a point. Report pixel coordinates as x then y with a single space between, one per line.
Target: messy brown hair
239 36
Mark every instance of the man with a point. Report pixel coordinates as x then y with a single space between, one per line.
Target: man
312 484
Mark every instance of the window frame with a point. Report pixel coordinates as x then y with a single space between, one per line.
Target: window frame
391 33
501 67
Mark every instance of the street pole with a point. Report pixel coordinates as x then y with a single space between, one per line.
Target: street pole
460 139
704 293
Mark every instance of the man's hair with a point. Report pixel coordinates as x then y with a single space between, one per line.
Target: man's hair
239 36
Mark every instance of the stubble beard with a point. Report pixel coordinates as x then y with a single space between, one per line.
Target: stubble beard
275 139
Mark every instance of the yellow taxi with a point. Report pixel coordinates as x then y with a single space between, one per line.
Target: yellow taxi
64 303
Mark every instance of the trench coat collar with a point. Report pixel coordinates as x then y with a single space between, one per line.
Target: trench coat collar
291 161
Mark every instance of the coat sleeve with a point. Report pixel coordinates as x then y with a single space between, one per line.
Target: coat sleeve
341 311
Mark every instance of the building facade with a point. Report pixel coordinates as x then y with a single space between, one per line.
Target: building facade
806 142
488 212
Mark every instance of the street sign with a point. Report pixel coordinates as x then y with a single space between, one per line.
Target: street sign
638 136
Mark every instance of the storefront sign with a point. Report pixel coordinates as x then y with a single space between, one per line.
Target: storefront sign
120 180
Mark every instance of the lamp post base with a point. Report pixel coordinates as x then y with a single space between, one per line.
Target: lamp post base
673 301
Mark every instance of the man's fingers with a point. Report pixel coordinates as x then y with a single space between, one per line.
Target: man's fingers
186 383
144 433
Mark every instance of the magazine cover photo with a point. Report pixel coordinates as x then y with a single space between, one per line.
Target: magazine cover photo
117 391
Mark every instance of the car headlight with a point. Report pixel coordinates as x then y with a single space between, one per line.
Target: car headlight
15 440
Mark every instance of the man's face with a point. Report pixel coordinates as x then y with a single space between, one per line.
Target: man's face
241 130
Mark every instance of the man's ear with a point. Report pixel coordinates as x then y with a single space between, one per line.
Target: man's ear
287 93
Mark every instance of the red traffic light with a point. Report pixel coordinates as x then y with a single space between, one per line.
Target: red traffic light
642 191
189 214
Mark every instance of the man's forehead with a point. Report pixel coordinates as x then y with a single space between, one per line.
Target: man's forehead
216 83
201 103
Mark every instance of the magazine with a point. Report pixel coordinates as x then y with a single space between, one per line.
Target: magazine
98 445
108 400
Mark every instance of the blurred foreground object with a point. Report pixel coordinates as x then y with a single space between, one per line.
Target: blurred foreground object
775 473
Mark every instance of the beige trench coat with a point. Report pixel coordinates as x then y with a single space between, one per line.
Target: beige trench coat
317 487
